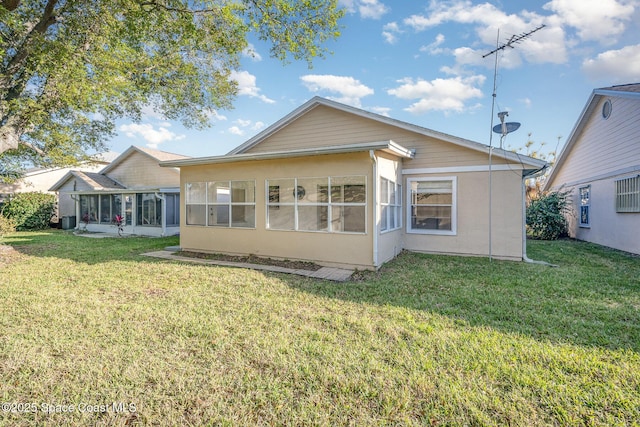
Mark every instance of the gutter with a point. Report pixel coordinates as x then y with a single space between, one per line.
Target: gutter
374 204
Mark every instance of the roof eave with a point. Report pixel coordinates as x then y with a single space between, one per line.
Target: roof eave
386 146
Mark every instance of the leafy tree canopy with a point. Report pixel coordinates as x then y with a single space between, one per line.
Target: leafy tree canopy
70 68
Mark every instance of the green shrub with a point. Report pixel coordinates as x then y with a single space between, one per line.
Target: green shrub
7 225
547 215
30 211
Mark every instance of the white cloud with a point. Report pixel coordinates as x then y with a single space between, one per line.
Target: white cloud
390 32
349 90
373 9
235 130
434 48
599 20
608 66
546 46
243 125
153 136
440 94
384 111
251 52
247 86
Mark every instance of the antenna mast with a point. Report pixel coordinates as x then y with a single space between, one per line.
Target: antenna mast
515 39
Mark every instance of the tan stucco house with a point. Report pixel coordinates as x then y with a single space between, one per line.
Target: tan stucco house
600 166
342 186
133 186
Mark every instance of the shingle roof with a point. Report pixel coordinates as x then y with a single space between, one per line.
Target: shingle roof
632 87
98 181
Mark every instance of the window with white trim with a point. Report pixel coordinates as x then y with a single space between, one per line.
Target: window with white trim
432 208
628 194
196 203
585 206
221 204
391 205
323 204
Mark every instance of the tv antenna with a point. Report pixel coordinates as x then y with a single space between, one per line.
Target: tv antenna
503 128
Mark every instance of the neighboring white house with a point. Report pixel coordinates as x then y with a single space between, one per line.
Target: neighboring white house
600 165
133 186
41 179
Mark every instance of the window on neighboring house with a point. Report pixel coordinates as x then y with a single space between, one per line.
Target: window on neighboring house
433 205
391 202
628 194
149 210
110 206
329 204
585 206
172 202
89 208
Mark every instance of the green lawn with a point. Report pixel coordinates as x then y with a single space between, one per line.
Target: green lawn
428 340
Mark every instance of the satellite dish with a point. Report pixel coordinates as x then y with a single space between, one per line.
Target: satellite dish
505 128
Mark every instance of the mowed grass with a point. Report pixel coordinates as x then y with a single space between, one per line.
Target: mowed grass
428 340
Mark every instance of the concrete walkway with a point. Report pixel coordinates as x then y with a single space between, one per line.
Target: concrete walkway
327 273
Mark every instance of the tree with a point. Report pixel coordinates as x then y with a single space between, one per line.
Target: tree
70 68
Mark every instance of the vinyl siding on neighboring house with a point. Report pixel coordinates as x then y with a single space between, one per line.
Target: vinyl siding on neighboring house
604 146
599 152
139 171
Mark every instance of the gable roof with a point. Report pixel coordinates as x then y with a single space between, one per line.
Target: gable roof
157 155
319 101
631 91
96 181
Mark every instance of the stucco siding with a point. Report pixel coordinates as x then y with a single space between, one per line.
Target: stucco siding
344 249
472 234
139 171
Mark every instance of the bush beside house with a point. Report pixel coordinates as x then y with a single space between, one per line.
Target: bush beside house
30 211
546 215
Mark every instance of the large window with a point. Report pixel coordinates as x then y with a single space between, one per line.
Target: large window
328 204
149 210
110 206
391 203
433 205
628 194
585 206
172 202
89 209
196 203
221 203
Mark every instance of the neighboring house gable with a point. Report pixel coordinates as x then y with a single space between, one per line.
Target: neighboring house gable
600 162
133 186
137 168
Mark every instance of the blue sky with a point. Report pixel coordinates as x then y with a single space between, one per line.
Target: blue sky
421 62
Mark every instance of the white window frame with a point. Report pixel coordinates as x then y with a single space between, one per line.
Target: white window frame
628 194
584 204
396 189
329 204
454 206
230 204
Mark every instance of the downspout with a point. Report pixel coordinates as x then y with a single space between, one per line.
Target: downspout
525 258
372 154
163 213
77 209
